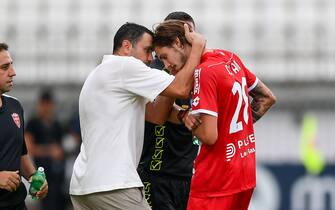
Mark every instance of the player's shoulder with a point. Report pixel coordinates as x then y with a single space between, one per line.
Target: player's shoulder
12 101
132 63
114 59
215 58
11 98
228 55
225 53
121 65
133 60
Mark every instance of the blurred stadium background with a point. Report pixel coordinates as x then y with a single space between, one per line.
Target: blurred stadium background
289 44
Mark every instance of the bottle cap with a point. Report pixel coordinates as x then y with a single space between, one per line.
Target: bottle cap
40 169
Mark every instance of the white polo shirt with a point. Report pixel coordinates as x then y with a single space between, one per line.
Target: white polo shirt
112 114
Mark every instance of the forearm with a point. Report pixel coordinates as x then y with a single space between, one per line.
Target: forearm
259 107
27 167
206 129
176 114
157 112
262 101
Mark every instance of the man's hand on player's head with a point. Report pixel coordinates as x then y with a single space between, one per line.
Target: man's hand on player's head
193 37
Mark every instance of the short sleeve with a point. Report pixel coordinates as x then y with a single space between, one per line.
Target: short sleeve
252 80
24 146
204 98
144 81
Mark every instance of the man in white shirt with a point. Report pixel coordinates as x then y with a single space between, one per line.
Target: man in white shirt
113 104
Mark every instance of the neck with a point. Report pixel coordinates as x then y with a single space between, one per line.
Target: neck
117 53
206 51
188 50
120 52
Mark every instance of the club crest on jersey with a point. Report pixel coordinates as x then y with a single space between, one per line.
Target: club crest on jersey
16 119
195 101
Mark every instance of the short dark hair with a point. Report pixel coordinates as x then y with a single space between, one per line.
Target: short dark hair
167 32
3 47
131 32
179 15
46 94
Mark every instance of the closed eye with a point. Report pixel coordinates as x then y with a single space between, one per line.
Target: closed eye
162 57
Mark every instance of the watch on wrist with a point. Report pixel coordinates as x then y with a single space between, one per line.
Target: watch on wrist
181 114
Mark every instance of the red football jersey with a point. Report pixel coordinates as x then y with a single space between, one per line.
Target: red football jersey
221 86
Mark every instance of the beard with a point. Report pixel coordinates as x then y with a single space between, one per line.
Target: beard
182 60
5 89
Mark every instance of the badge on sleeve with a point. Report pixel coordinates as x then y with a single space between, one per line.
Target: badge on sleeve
16 119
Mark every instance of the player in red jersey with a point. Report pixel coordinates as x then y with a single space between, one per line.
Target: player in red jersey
225 168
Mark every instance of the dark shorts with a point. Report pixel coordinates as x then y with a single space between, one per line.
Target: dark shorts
21 206
166 193
238 201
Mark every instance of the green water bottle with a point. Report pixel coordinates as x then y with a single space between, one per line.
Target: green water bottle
37 181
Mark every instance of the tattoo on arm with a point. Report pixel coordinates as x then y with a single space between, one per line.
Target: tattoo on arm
263 99
255 116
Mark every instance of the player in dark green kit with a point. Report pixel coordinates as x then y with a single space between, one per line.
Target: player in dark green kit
168 154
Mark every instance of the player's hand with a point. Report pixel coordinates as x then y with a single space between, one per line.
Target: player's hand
10 180
194 38
43 191
191 121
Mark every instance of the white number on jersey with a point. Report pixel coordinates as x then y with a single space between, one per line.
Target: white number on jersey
236 126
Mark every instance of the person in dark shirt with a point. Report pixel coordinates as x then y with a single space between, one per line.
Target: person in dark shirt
14 160
168 154
44 135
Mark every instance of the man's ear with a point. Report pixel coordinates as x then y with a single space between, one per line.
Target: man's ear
178 43
126 46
